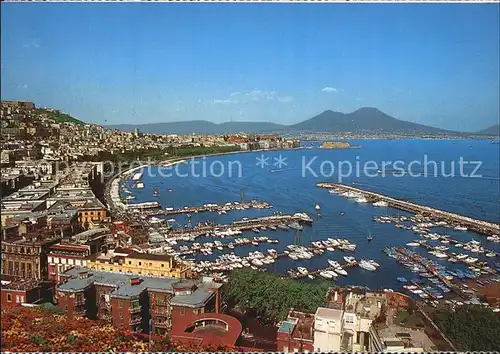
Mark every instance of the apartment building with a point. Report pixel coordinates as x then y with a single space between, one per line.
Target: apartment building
140 264
133 301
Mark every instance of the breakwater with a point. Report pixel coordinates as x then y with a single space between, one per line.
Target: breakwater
479 226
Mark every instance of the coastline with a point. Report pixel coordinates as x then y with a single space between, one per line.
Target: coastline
116 201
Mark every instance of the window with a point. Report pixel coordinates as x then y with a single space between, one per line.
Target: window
9 298
150 264
163 265
140 263
129 262
121 304
183 311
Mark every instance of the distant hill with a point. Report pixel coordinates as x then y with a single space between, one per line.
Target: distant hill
493 130
58 116
365 119
202 127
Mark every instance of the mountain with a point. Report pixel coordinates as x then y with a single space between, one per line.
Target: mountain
202 127
493 130
366 119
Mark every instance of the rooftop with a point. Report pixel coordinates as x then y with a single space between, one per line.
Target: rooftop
395 335
12 283
21 206
123 287
328 314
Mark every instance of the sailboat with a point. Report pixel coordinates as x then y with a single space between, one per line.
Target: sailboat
156 192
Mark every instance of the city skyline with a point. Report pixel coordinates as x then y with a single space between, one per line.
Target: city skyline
142 63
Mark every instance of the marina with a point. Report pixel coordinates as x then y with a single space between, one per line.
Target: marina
198 212
229 206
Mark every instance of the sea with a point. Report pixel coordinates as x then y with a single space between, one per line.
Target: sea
287 180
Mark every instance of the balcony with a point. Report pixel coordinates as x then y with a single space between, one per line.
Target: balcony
161 324
79 310
135 309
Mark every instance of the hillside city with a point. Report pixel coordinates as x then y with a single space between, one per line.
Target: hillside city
72 248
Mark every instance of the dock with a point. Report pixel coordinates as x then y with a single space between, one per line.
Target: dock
432 271
211 208
479 226
241 225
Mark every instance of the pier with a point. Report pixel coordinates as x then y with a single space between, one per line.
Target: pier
242 225
479 226
432 271
211 208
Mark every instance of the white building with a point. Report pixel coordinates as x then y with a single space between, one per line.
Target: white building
327 329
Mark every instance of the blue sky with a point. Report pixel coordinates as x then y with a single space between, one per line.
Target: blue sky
112 63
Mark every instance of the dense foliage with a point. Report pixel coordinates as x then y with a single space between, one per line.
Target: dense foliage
272 297
471 328
44 329
59 117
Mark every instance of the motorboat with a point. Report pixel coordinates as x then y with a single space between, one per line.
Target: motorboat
295 226
366 265
350 259
326 274
302 270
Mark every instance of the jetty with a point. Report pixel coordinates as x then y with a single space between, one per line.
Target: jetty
242 225
479 226
254 204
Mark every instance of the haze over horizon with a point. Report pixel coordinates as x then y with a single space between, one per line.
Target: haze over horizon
131 63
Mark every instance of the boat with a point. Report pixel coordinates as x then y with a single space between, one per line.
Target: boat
361 200
326 275
341 271
283 227
350 259
156 192
257 262
317 207
263 228
334 264
366 265
128 197
491 254
255 230
310 276
381 203
272 227
402 279
302 270
139 185
413 244
369 237
460 228
373 263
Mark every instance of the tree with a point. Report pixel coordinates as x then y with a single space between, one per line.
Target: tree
270 296
470 328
